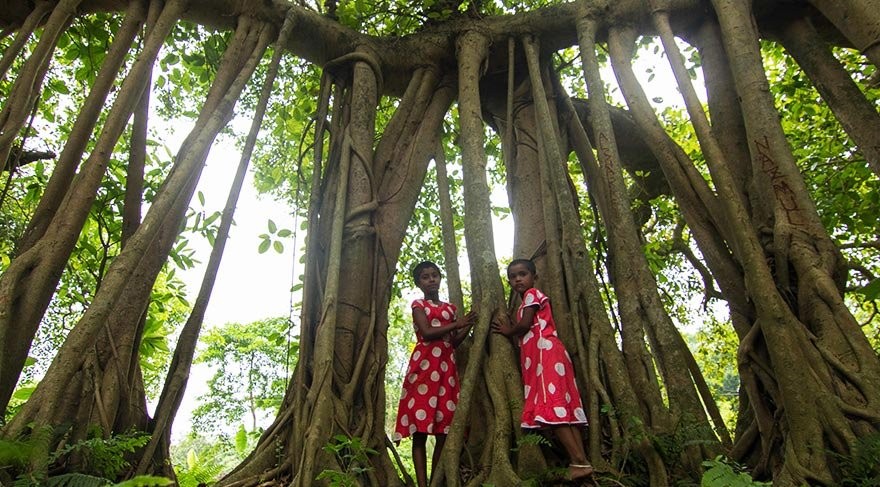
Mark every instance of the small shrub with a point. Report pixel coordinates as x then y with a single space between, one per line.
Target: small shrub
354 458
862 467
68 480
198 471
532 439
725 473
105 457
145 481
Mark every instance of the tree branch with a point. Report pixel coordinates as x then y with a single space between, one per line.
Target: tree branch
18 158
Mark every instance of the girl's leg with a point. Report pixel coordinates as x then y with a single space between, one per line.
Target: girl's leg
570 437
439 441
420 459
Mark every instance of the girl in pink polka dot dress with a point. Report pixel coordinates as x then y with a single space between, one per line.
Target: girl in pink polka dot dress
551 394
430 386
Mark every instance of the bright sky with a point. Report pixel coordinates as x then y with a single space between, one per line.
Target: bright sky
250 285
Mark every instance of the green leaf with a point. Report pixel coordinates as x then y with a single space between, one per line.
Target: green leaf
264 246
241 439
192 459
248 363
279 247
272 227
872 290
23 393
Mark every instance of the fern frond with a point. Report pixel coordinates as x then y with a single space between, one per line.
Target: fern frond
200 473
14 452
76 480
145 481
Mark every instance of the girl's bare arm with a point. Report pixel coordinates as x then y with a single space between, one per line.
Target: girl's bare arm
515 328
464 323
429 332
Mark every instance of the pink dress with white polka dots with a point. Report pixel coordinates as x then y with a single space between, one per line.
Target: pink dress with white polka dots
551 394
430 386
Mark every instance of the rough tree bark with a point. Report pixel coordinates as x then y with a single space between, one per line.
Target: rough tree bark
84 125
22 34
494 380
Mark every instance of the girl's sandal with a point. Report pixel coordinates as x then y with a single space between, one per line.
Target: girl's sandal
580 472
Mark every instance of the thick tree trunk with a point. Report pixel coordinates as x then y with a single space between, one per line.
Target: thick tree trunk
397 170
398 194
609 382
858 20
155 457
66 166
641 310
638 361
728 128
471 50
346 310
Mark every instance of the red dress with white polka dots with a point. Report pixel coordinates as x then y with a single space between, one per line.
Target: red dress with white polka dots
551 394
430 386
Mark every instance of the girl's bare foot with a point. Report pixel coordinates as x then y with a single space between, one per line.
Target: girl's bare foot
576 471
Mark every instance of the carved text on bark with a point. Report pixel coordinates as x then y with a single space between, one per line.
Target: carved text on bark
783 193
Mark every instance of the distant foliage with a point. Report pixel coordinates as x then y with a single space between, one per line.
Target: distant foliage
715 345
251 363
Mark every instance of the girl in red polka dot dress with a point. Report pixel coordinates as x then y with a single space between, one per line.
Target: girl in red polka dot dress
551 394
430 386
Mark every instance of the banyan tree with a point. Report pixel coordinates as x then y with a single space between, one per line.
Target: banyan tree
394 89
